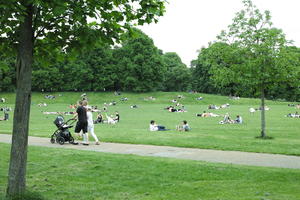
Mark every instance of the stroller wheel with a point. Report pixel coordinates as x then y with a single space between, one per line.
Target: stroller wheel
52 140
61 140
71 141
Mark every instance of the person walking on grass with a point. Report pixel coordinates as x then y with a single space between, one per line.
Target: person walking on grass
82 123
91 124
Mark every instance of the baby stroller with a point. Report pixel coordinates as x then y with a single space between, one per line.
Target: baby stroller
62 134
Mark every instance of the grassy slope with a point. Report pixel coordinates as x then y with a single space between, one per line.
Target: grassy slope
206 132
69 174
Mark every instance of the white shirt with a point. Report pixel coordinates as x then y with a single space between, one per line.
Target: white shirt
153 127
89 115
240 120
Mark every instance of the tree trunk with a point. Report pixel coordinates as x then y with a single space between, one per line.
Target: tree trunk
263 119
18 156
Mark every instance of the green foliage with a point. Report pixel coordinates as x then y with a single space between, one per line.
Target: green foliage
254 51
137 65
7 74
177 75
250 56
73 24
140 64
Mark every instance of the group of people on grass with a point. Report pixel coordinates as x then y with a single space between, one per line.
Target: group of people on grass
184 126
215 107
293 115
228 120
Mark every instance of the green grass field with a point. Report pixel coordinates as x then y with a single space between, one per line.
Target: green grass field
206 132
59 174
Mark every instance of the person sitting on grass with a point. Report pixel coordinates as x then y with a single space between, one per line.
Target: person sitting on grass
172 109
5 118
110 119
154 127
99 119
227 120
117 118
239 119
183 127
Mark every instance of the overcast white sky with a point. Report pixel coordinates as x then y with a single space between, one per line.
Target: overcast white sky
189 25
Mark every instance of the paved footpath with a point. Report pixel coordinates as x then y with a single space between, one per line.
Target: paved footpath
216 156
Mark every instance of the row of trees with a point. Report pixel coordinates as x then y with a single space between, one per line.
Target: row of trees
137 65
224 68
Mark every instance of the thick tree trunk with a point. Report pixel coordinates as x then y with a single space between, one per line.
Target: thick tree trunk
18 156
263 119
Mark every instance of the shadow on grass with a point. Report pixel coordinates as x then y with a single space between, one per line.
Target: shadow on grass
265 137
8 133
25 196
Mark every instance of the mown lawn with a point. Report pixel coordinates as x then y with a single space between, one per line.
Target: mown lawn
206 132
60 174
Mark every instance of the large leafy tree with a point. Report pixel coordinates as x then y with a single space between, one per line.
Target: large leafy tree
30 26
261 61
139 64
217 55
177 75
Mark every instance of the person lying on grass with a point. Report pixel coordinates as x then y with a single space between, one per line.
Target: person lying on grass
134 106
42 104
59 113
183 127
293 115
173 109
207 114
211 106
154 127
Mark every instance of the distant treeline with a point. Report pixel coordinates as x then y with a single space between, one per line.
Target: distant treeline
137 65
